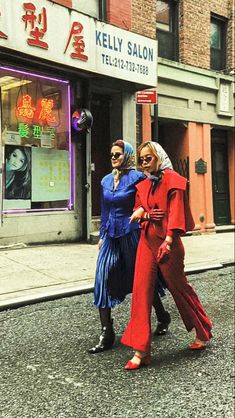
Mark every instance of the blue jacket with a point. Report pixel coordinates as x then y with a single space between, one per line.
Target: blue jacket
117 205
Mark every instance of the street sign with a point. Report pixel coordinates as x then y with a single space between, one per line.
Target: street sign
146 97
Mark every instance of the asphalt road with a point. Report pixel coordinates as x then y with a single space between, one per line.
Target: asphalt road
46 372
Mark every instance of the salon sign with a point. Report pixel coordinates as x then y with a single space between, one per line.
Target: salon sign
44 29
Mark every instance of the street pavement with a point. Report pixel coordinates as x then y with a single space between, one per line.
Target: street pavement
46 371
43 272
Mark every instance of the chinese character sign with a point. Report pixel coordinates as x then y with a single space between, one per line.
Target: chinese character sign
67 37
78 42
2 34
42 113
25 108
45 115
36 24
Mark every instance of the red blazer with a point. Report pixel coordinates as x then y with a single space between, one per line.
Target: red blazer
169 196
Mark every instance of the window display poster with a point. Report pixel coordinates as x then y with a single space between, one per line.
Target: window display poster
50 175
17 172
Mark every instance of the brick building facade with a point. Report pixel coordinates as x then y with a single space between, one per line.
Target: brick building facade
194 31
196 103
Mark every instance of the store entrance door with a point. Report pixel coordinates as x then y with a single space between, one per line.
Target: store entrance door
100 147
220 183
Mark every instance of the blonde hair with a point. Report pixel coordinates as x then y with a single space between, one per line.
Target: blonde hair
152 150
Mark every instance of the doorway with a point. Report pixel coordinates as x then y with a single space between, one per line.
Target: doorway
100 147
220 179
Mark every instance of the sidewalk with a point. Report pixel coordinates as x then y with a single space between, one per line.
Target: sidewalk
37 273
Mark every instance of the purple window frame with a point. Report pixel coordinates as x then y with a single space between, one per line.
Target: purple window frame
71 146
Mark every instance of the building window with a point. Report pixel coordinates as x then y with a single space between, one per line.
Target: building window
167 29
35 141
218 43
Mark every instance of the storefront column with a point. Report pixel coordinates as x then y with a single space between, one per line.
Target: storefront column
129 118
199 138
146 122
231 169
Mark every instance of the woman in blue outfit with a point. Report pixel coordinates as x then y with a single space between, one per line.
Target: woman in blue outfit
118 243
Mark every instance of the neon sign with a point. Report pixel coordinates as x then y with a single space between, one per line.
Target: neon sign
25 109
42 113
36 131
46 111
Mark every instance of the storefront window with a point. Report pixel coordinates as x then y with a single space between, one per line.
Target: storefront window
35 141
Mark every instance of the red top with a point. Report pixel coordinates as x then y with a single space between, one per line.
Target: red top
169 196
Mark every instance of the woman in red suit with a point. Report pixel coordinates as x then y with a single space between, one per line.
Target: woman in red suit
160 247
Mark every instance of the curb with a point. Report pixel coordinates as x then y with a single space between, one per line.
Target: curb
43 297
63 293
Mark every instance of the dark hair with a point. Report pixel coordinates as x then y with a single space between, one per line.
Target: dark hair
118 143
20 188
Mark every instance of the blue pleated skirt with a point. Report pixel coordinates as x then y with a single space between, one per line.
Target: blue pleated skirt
115 270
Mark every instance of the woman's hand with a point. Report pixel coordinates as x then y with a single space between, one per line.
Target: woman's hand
154 215
99 244
137 215
163 252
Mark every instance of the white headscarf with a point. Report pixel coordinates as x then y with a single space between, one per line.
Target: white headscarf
166 162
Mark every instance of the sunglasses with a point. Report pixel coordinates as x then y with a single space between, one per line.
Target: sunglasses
145 159
115 155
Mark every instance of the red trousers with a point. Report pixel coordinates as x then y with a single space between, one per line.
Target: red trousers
138 332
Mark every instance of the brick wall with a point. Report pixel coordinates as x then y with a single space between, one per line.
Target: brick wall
143 23
144 17
194 30
119 13
230 37
194 20
139 16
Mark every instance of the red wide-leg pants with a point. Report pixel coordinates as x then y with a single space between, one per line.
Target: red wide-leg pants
138 332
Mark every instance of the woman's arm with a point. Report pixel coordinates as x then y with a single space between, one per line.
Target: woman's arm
104 215
176 223
176 213
138 210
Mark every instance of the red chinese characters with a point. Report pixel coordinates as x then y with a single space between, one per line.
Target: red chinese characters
46 111
25 109
37 25
42 113
2 34
77 42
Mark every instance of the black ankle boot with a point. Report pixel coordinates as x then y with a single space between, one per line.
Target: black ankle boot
106 340
162 327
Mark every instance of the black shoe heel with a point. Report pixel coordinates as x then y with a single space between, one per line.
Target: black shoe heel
106 340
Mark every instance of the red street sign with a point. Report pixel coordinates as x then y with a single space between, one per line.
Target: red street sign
146 97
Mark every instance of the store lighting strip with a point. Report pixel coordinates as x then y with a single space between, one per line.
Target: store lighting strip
71 155
33 74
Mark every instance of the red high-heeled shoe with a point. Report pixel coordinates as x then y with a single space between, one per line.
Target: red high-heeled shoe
197 345
144 361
